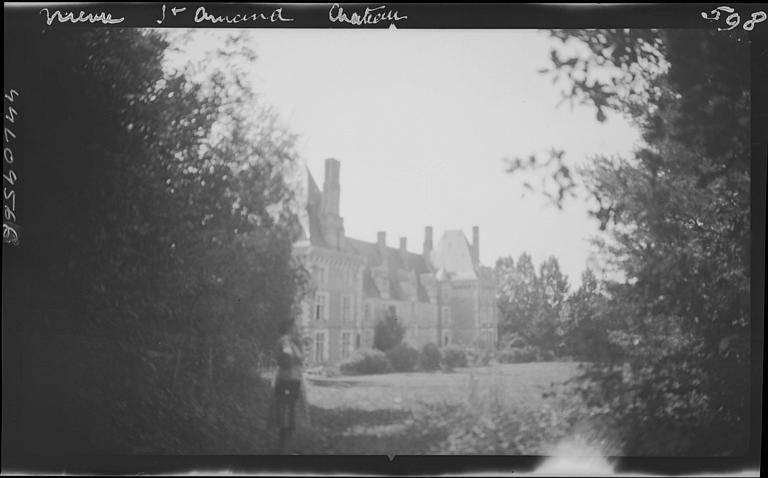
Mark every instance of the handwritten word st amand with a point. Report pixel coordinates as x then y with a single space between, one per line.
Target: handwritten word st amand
202 16
370 16
82 17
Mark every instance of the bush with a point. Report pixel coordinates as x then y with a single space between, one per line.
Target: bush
430 357
517 355
366 362
454 357
485 357
513 341
479 357
547 355
388 333
403 358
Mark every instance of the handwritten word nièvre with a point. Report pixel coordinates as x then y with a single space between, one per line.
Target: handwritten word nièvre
82 17
370 16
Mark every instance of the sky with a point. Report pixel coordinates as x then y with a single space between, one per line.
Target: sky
421 121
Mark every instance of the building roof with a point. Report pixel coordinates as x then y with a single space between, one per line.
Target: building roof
454 254
309 216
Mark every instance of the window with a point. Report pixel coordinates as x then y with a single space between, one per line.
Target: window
319 346
346 308
321 274
446 314
321 306
367 311
357 341
446 339
346 344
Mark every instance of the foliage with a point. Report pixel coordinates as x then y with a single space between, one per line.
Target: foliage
388 333
453 357
430 357
512 340
530 303
678 217
366 362
518 355
585 323
491 425
479 357
403 358
166 231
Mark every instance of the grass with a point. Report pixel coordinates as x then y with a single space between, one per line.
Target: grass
375 414
517 384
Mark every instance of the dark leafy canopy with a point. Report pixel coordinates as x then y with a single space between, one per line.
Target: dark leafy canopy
678 214
159 218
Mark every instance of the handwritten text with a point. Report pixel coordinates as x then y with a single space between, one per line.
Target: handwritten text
10 228
370 16
202 15
104 18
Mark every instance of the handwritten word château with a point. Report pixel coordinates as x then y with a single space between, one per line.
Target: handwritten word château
202 15
371 16
104 18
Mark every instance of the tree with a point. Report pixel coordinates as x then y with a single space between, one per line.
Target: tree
585 321
552 290
388 333
529 303
159 226
678 217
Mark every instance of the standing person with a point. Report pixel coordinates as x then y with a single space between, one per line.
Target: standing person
289 389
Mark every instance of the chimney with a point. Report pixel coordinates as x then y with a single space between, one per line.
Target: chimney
381 240
427 241
332 224
331 187
476 245
404 251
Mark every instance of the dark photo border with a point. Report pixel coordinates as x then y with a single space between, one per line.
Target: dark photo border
21 21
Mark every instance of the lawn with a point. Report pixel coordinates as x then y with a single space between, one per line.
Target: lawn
372 414
519 385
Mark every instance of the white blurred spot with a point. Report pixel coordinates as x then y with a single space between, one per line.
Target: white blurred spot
574 457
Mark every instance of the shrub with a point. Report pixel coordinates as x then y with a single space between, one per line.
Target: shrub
513 340
517 355
454 357
479 357
403 358
388 333
485 357
366 362
547 355
430 357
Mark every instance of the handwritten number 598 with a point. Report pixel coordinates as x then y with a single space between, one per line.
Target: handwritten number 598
734 18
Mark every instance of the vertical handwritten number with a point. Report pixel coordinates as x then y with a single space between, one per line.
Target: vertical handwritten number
11 116
10 177
8 213
757 17
10 95
10 234
10 194
8 155
7 132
